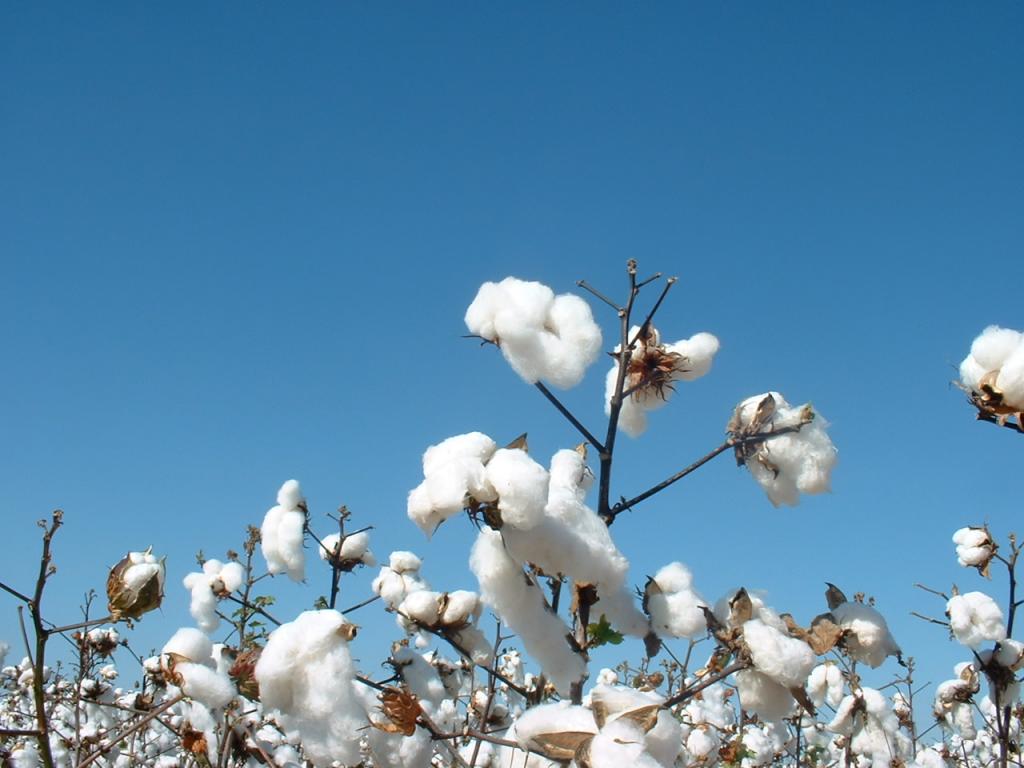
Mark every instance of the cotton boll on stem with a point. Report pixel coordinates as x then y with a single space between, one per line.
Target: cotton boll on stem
453 472
282 533
975 618
521 485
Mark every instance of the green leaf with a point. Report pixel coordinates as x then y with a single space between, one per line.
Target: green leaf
602 633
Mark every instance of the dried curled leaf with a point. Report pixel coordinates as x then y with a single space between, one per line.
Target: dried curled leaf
562 745
834 596
401 708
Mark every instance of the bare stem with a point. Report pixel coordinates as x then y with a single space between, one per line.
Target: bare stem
568 415
707 682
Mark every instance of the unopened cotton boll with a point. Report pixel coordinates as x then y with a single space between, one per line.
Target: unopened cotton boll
975 618
135 585
541 336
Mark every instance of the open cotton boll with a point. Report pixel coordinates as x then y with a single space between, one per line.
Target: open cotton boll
788 464
541 336
190 644
561 717
675 608
521 485
282 532
422 606
399 578
975 618
523 609
994 345
461 606
652 372
203 684
1010 380
868 639
306 674
453 471
784 659
762 695
662 741
825 684
974 546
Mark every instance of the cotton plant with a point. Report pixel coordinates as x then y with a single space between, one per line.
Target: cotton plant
135 585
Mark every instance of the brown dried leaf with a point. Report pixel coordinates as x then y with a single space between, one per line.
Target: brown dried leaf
561 745
803 699
402 709
834 596
825 634
519 444
762 414
645 717
741 609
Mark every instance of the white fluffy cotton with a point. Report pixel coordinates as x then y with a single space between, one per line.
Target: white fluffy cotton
675 607
453 471
521 485
974 547
825 684
541 335
306 677
355 549
281 535
187 659
686 360
868 639
399 578
762 695
997 355
975 618
793 463
785 659
215 581
522 608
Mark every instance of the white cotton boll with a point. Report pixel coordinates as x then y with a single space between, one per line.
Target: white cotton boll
699 351
825 684
281 541
974 618
203 605
632 415
785 659
472 445
452 471
305 674
676 609
569 479
1010 380
762 695
204 684
868 639
329 546
992 348
541 336
289 496
663 741
191 644
357 547
974 546
618 605
461 606
422 606
971 373
1009 655
702 742
523 609
401 561
929 758
231 576
760 610
561 717
471 640
420 675
522 487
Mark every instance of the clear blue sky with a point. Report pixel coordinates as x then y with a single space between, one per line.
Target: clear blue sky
237 241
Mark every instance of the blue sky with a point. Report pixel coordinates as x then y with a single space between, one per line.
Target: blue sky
237 241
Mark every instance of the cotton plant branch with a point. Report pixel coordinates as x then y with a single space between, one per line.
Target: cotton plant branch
121 735
706 682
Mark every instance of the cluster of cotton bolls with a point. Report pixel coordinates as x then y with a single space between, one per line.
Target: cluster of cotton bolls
994 369
975 618
542 336
869 721
653 371
974 548
787 464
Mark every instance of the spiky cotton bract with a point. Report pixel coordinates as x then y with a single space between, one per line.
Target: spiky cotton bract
791 463
305 674
282 533
653 371
542 336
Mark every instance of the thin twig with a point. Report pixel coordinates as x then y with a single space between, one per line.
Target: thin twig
357 606
707 682
16 593
568 415
929 619
589 288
